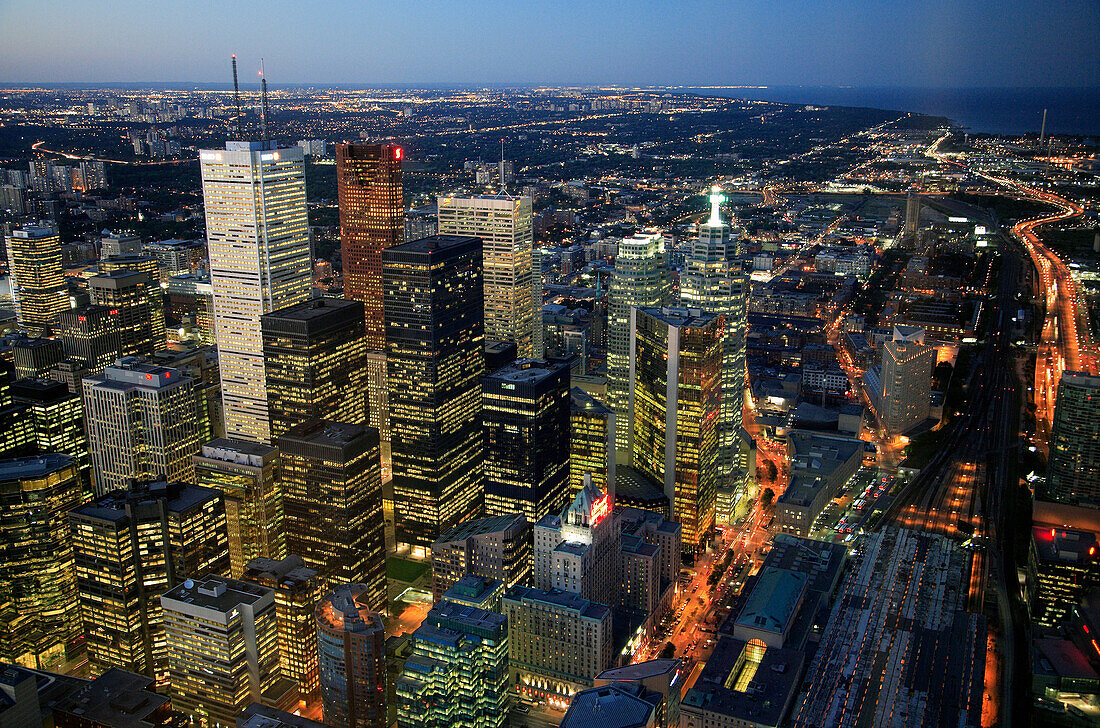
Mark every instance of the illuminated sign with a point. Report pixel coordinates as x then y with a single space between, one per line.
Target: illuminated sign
600 509
398 152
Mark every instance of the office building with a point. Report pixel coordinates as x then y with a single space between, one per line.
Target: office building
223 649
434 350
1063 563
34 357
56 419
656 682
557 643
1073 470
315 363
591 443
120 585
713 281
457 674
513 287
372 218
120 244
38 596
332 496
640 279
525 419
142 423
176 257
498 547
499 354
150 267
247 474
91 334
36 278
126 296
257 236
351 655
191 299
378 394
298 589
906 382
675 364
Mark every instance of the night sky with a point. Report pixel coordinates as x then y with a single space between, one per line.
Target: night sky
932 43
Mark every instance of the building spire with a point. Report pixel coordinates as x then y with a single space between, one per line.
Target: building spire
716 200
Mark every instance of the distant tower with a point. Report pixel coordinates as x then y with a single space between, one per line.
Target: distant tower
912 214
1043 130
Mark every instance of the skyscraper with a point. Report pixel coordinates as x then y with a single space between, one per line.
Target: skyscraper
222 640
498 547
246 473
38 618
513 288
315 363
351 655
37 280
906 382
1073 473
91 334
332 495
257 235
675 364
525 417
56 417
298 589
142 423
713 281
591 443
640 279
130 547
372 218
457 674
434 350
150 266
125 294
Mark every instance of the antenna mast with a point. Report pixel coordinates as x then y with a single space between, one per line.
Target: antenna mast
503 187
263 103
237 98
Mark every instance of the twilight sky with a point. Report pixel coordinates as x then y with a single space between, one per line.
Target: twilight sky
939 43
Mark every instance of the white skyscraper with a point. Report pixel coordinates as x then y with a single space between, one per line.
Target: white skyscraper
640 280
513 286
712 280
142 423
257 235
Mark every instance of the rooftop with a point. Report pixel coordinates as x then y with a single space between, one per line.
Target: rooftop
619 705
566 600
35 466
479 526
774 600
215 593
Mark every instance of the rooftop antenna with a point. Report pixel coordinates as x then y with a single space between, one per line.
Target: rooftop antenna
264 110
503 187
1043 130
237 98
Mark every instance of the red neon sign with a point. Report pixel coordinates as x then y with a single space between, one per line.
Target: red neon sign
600 509
398 152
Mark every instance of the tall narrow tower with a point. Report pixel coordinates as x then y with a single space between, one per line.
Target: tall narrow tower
713 281
257 234
372 218
513 290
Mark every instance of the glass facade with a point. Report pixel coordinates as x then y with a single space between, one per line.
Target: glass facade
37 279
372 218
434 358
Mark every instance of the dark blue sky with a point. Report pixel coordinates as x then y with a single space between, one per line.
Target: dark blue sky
944 43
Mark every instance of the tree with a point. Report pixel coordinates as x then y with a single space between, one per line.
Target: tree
669 650
767 496
770 471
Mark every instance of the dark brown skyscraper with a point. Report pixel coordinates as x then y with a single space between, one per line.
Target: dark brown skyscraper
372 218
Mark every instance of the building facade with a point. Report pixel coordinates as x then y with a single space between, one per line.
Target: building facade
906 383
142 422
434 357
257 235
591 443
315 363
91 334
675 404
126 295
640 279
332 495
247 474
513 287
497 547
525 420
372 218
351 641
130 547
36 277
1073 472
